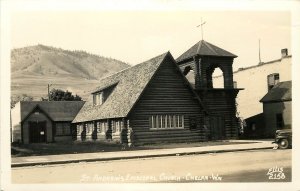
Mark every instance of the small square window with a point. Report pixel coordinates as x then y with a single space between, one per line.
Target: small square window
273 79
98 98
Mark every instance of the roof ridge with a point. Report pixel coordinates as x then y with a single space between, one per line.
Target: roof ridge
282 91
209 45
132 82
204 48
56 110
121 71
59 101
133 66
199 45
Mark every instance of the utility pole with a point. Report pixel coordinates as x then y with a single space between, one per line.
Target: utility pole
94 70
201 25
49 85
259 51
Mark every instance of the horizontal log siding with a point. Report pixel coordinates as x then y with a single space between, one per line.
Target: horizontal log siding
166 94
222 103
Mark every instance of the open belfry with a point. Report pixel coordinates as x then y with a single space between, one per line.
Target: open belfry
203 58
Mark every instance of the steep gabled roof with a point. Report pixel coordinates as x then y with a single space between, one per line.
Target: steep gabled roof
280 92
203 48
130 84
55 110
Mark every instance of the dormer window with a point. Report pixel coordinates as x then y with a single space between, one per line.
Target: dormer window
101 95
98 98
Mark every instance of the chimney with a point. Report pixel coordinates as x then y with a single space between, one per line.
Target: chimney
284 52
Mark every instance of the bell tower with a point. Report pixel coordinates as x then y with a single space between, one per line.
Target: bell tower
203 58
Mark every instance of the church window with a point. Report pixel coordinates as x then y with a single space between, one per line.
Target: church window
166 122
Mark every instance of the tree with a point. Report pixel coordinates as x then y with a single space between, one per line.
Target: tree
23 97
61 95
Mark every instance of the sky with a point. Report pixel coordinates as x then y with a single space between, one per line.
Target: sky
134 36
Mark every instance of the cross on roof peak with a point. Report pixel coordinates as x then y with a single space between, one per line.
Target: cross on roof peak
201 25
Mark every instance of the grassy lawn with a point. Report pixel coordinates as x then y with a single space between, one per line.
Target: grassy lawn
90 147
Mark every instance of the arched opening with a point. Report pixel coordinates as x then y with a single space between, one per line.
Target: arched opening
189 74
218 78
215 78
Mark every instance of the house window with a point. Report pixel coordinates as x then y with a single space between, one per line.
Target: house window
63 129
104 127
273 79
166 122
98 98
116 126
79 129
89 127
279 121
101 127
86 129
113 126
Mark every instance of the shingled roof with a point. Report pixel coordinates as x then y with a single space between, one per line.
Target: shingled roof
129 85
280 92
203 48
56 110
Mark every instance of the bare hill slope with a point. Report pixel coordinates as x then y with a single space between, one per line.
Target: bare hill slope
34 67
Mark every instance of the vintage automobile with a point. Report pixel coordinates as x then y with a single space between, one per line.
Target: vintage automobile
283 138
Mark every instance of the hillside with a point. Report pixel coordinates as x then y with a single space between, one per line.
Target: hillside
34 67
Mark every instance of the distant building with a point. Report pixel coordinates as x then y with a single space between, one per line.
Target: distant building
277 106
257 81
43 121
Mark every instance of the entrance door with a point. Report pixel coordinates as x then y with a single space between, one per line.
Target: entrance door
37 132
217 128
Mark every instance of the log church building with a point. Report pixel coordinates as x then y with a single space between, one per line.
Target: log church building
153 102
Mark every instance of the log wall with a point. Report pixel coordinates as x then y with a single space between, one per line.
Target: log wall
167 94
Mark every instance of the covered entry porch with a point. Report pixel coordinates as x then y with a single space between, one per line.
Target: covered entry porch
37 127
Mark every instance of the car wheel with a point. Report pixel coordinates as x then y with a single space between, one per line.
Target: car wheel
283 144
